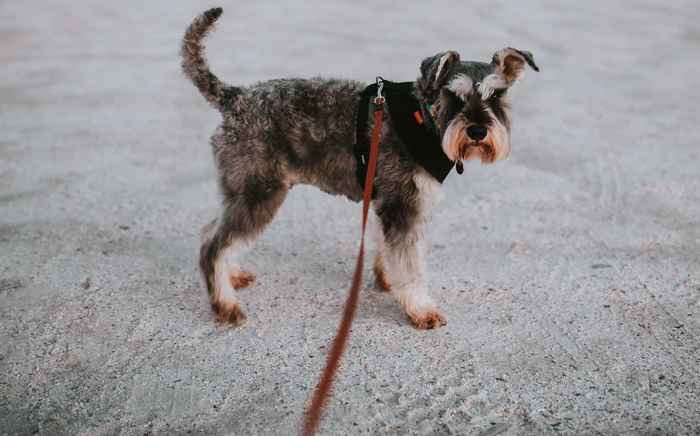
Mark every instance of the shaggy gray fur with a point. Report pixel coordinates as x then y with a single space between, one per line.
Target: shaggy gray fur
279 133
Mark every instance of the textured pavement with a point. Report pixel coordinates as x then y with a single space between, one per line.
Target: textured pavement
569 274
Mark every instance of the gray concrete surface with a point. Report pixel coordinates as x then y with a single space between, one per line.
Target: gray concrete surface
570 274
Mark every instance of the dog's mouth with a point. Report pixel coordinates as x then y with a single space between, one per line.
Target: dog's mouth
475 149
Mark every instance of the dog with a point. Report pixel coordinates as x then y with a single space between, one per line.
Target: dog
279 133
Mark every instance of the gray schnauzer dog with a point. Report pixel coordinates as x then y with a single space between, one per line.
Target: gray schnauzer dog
280 133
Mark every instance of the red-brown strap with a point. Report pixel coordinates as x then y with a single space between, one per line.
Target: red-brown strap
320 398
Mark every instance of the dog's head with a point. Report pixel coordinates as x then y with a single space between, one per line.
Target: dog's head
468 101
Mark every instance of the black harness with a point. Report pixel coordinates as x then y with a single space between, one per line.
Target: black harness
419 137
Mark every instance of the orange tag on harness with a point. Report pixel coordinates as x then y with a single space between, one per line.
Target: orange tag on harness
419 118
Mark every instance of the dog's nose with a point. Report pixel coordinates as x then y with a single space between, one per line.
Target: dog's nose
477 133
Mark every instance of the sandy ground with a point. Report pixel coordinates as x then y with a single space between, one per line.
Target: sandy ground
570 273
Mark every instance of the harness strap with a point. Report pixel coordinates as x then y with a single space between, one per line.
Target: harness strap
362 145
414 125
321 394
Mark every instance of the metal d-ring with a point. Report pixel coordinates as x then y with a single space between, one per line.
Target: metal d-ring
380 87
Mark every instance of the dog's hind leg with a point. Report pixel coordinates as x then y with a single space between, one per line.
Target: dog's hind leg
245 214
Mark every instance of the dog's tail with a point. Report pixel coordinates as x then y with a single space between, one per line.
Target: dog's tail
195 66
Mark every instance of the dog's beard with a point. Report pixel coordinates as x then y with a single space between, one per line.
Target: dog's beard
458 146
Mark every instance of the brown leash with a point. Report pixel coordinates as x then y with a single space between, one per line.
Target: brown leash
320 398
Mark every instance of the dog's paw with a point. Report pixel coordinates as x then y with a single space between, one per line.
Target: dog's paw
228 313
430 319
380 275
241 279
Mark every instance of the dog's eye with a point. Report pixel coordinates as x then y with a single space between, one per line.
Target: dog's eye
449 93
455 99
497 94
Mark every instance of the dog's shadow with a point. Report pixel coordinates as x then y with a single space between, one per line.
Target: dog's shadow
375 305
379 306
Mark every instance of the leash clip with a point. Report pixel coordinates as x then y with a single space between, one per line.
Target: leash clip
379 99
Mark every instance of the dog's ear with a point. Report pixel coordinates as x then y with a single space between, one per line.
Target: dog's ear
436 69
510 63
508 66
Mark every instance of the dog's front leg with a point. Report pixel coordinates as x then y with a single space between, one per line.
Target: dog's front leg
405 268
402 259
